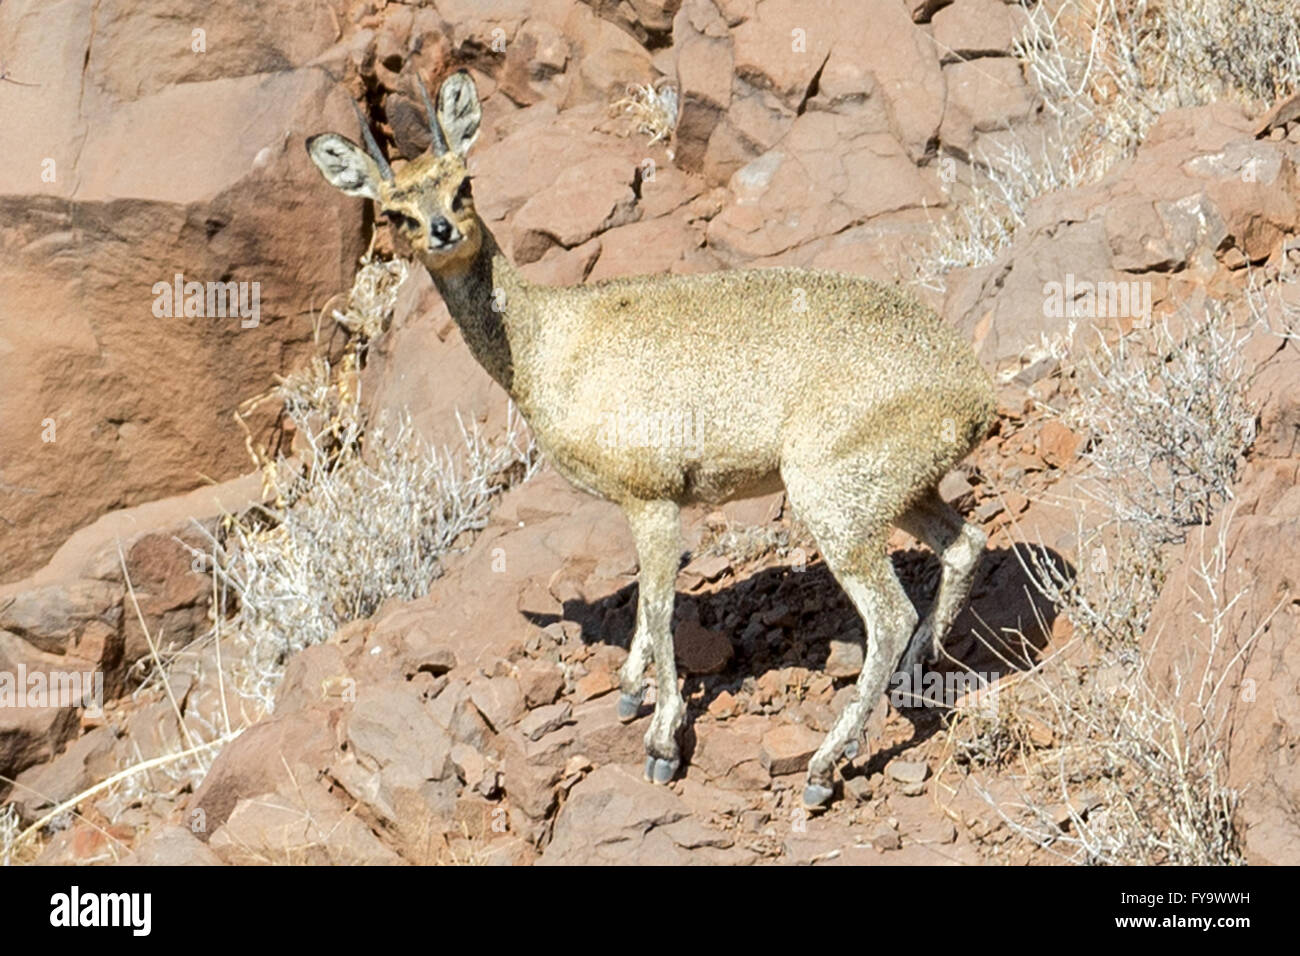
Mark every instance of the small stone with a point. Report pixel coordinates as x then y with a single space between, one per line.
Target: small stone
1036 371
489 785
578 763
885 838
594 685
1040 735
858 789
469 763
701 651
845 659
788 748
770 685
543 720
1062 816
937 831
1080 806
1012 402
1057 444
907 771
779 614
723 706
709 567
541 681
530 786
912 789
1234 258
498 699
954 486
821 689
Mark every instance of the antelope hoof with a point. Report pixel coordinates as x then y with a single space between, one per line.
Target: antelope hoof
816 796
659 770
629 705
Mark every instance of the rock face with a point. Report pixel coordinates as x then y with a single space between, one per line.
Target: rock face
76 616
1201 194
140 151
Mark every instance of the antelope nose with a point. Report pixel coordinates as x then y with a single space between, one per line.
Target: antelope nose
442 230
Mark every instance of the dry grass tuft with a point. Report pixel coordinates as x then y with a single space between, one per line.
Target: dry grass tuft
1003 185
652 109
372 297
357 526
364 512
1169 422
9 830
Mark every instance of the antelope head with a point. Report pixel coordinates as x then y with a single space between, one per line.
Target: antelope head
428 200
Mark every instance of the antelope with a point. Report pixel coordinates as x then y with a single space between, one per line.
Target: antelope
849 393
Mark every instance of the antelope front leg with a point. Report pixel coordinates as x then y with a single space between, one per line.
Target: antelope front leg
656 528
631 676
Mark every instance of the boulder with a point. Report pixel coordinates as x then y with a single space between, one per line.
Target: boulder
613 816
1200 186
170 846
117 398
309 827
969 29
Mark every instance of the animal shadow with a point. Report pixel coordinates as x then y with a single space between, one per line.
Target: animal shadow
781 616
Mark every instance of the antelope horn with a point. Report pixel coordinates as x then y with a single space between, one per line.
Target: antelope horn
372 147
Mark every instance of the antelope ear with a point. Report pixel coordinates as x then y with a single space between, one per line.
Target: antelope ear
459 113
344 165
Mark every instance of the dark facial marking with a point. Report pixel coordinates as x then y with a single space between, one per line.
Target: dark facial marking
401 220
463 195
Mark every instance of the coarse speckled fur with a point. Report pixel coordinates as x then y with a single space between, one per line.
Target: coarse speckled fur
659 391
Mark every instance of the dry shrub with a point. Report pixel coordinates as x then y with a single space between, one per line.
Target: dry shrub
1105 70
996 205
369 513
1110 764
1125 767
1112 67
1273 297
1169 422
9 830
358 525
651 109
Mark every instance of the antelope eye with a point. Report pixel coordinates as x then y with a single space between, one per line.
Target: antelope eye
401 221
463 194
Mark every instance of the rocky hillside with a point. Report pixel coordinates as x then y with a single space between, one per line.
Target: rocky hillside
476 722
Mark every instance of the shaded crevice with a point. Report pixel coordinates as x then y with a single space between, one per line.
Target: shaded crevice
814 86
